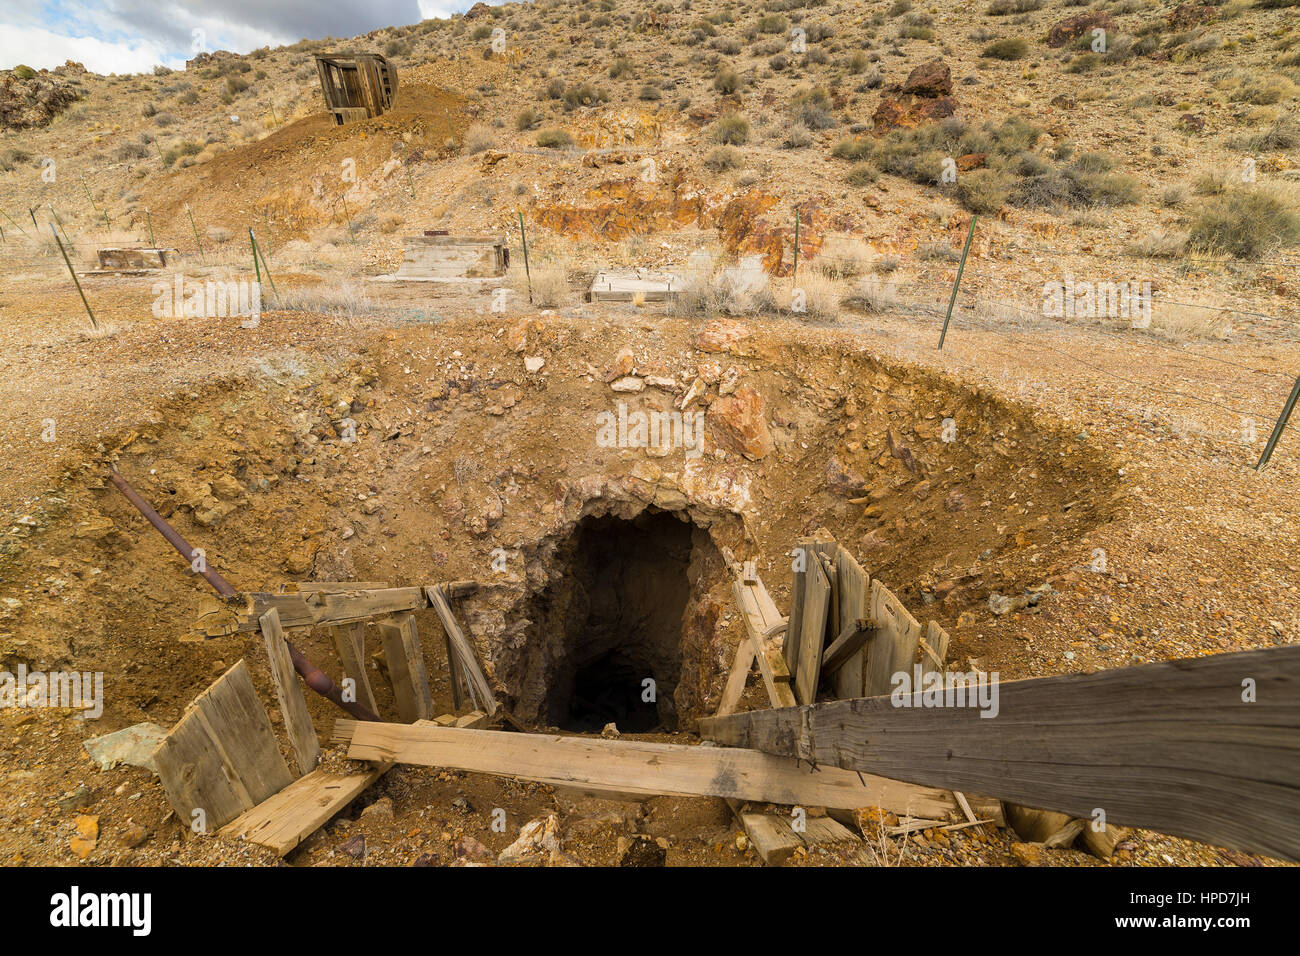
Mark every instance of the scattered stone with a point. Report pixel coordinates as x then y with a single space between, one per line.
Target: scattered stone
134 835
355 847
533 363
468 848
1074 27
135 746
381 809
629 383
87 838
538 838
610 732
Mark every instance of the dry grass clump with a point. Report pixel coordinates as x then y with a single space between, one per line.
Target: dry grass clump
548 273
816 295
712 285
346 300
1186 322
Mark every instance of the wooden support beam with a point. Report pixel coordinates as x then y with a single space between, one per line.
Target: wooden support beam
770 662
464 651
324 605
741 665
803 555
406 669
293 705
1207 748
639 767
852 639
349 640
853 589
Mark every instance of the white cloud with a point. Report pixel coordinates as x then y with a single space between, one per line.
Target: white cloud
41 49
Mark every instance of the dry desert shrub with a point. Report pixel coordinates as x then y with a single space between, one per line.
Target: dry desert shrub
845 257
711 286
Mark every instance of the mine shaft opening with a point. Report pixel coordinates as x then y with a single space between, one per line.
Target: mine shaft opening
613 621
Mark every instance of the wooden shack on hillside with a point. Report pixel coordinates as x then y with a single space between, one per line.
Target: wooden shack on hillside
356 86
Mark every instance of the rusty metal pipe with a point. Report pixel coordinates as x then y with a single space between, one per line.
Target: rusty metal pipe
223 587
311 675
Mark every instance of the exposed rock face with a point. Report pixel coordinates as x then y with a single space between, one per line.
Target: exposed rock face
479 9
1076 26
908 112
739 422
721 335
931 80
33 100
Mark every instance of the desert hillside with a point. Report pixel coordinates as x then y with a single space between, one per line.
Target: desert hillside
991 304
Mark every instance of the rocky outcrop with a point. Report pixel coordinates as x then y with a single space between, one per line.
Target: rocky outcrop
925 97
930 80
30 98
739 423
1076 26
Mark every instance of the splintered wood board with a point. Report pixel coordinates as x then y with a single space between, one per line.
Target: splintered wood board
639 767
464 651
222 756
816 607
854 591
776 840
349 640
300 809
1174 747
293 705
892 650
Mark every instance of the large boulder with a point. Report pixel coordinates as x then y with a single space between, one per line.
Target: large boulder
930 80
739 423
1076 26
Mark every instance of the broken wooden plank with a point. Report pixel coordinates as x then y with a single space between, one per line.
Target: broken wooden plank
776 840
816 607
1172 747
349 640
893 650
640 767
851 640
934 649
802 555
293 705
853 588
221 758
283 821
740 668
770 663
478 682
406 669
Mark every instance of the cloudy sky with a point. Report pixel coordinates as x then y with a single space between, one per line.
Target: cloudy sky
132 36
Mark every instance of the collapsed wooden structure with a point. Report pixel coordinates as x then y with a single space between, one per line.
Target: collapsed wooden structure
356 86
1207 749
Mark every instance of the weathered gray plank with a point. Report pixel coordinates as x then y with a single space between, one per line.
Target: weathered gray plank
816 606
1170 747
853 589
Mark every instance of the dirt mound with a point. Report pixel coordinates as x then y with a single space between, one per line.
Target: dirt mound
297 174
